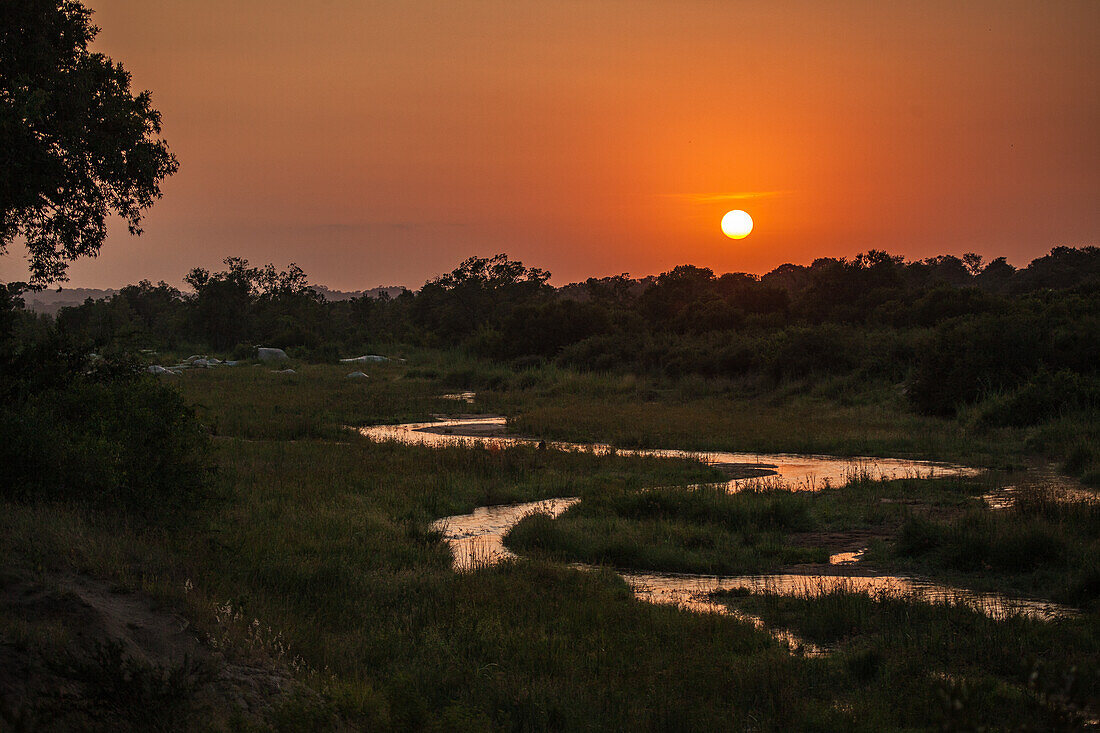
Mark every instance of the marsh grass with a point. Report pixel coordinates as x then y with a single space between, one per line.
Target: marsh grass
1073 439
706 529
635 412
697 529
331 545
854 415
944 661
254 402
1044 543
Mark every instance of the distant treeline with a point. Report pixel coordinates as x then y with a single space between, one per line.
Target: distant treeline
1024 342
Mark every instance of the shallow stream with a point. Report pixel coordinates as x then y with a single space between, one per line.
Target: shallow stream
476 539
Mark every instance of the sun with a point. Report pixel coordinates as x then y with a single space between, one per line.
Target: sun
736 224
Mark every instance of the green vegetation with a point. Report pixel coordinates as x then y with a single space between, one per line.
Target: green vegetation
1042 545
324 539
218 549
98 431
78 145
699 530
941 357
943 664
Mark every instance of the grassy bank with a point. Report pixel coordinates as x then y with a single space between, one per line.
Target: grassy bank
1041 544
697 530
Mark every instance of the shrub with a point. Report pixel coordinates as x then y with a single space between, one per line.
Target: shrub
1043 397
973 357
110 436
804 351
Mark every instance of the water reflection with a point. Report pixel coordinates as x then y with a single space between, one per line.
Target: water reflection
847 558
1048 479
793 471
476 539
467 397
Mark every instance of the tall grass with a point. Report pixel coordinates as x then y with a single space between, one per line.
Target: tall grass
697 529
705 529
1044 543
944 662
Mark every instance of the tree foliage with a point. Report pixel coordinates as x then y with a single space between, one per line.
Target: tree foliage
476 296
952 331
243 303
76 144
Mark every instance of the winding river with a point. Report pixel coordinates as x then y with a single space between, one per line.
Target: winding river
476 539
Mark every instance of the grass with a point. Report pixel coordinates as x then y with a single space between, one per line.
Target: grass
255 402
329 544
1043 545
943 662
706 529
834 416
700 530
323 539
845 415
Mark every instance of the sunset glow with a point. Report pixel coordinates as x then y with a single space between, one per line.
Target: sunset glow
593 141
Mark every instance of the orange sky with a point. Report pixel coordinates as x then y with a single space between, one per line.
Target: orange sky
382 142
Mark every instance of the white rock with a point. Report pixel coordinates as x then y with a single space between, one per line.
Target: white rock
285 371
364 359
158 369
357 375
268 354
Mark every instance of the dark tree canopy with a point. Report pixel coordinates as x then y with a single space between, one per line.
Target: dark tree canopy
75 144
259 302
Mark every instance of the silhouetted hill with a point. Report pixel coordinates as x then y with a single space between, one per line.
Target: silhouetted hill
334 296
51 301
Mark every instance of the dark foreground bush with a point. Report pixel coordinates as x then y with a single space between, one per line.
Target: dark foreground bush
1043 397
108 436
972 357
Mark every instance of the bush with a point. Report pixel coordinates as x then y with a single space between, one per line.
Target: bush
973 357
817 350
1043 397
110 436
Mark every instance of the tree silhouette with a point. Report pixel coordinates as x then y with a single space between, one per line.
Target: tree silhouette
75 144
